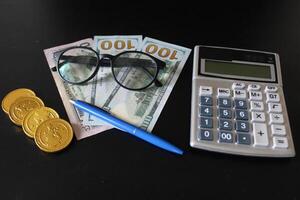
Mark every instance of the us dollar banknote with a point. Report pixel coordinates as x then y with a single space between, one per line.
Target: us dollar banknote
142 108
105 85
69 91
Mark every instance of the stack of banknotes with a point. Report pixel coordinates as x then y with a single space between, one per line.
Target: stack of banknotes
141 108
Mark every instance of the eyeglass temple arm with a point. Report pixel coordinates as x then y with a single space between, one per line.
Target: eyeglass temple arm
106 62
88 60
137 62
92 61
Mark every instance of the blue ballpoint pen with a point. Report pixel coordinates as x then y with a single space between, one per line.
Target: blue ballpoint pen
125 126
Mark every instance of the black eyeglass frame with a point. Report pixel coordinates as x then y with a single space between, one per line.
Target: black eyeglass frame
106 57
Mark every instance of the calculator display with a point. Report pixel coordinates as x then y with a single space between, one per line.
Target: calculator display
238 69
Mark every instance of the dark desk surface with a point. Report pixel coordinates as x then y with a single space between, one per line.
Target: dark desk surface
113 165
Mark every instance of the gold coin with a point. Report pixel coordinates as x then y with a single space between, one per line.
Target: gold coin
12 96
53 135
22 106
35 117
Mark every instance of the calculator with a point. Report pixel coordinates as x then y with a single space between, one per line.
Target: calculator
238 104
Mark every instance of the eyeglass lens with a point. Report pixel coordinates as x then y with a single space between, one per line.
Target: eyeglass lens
77 65
134 70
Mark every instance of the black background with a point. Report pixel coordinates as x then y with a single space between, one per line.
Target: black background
114 165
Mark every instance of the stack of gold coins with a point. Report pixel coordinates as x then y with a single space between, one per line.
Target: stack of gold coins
24 108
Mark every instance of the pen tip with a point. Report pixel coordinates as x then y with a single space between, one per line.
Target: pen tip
180 152
71 101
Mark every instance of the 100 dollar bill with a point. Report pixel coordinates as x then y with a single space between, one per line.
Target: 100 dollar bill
142 108
105 85
69 91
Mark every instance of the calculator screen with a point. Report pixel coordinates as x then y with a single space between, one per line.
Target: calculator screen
237 69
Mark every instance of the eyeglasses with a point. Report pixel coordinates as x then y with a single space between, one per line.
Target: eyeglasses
132 70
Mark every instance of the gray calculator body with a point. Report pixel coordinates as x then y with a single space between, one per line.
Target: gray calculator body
238 104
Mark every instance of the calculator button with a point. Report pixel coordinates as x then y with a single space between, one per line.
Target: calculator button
238 85
253 87
206 122
224 92
244 138
242 126
205 135
278 129
206 101
224 102
240 104
256 105
256 96
240 94
280 142
241 115
258 117
273 97
206 91
225 113
275 107
225 137
225 125
260 134
270 88
206 111
276 118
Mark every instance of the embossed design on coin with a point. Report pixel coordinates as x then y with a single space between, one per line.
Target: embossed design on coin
12 96
22 107
35 117
53 135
